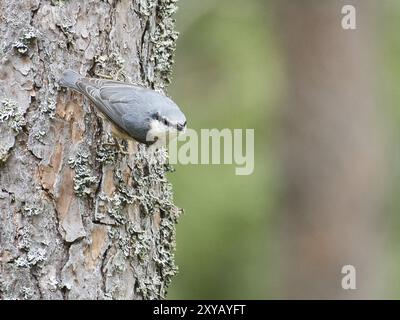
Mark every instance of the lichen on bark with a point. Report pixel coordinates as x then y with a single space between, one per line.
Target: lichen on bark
79 218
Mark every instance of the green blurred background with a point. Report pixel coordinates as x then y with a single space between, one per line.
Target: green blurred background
226 66
229 73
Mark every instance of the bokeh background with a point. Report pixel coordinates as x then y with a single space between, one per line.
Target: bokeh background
324 104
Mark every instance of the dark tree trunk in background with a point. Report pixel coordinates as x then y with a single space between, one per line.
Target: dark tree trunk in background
332 151
78 218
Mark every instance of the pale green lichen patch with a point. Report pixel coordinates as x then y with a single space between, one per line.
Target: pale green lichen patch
48 105
30 211
46 96
110 66
162 36
166 242
141 244
151 193
150 177
10 114
27 293
149 174
146 7
4 154
39 135
115 206
164 40
32 258
58 2
25 238
25 41
150 287
107 151
85 182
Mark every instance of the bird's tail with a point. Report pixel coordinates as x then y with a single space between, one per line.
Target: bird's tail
69 79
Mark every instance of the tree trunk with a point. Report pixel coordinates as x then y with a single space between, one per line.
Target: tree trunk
332 151
79 219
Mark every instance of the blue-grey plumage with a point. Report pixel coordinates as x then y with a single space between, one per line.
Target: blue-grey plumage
141 113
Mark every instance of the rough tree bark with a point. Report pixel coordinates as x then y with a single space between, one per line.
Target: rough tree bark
78 218
332 151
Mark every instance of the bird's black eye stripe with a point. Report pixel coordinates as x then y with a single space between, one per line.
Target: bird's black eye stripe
161 119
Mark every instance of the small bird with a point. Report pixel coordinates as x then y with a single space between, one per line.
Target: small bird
135 112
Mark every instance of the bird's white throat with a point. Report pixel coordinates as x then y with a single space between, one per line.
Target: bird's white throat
161 132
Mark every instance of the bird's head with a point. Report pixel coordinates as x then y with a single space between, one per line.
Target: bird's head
167 123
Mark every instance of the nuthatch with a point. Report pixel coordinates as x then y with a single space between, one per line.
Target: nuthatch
145 115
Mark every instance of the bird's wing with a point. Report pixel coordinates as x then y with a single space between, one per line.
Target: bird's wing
122 103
